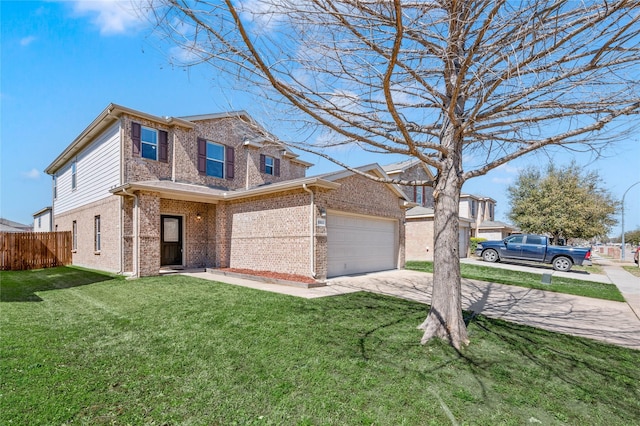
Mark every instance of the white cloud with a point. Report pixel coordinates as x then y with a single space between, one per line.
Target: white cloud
25 41
32 174
502 180
110 16
508 169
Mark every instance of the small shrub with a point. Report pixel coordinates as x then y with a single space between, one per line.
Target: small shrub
474 243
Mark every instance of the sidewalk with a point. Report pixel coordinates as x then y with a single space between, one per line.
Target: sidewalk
607 321
628 284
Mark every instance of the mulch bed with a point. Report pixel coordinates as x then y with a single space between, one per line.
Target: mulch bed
269 274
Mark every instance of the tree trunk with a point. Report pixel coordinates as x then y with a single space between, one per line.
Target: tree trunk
445 318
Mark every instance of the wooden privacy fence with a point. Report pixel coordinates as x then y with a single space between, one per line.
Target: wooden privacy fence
34 250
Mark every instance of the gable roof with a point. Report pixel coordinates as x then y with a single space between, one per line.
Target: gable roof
106 118
205 194
495 224
373 169
7 225
113 112
43 211
477 197
403 166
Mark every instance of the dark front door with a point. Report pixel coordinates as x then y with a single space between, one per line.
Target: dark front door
171 240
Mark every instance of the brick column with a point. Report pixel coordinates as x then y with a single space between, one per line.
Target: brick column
149 233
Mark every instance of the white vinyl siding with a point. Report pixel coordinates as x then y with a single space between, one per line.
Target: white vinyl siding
42 222
97 168
357 244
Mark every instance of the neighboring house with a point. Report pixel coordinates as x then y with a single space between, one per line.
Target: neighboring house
43 220
141 192
476 216
7 225
413 170
481 211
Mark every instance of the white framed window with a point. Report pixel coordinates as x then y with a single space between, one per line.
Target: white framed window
473 208
97 236
55 187
149 143
268 165
215 160
74 235
74 176
419 198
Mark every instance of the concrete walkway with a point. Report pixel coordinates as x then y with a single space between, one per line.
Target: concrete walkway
612 322
628 284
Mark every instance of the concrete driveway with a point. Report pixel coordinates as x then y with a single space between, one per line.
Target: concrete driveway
607 321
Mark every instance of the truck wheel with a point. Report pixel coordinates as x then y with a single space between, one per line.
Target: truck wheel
562 264
490 256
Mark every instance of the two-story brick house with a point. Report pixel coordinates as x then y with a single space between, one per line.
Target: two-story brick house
481 212
142 192
476 216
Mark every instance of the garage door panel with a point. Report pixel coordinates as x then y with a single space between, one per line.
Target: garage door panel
359 244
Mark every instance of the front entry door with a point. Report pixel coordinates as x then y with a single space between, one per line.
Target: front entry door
171 240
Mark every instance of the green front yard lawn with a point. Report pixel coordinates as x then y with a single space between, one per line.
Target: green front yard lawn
530 280
80 347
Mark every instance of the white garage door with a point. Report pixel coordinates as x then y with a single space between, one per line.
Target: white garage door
357 244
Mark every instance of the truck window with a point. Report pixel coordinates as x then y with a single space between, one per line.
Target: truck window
515 239
534 239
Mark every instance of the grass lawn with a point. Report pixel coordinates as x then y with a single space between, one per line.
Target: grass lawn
85 348
633 269
530 280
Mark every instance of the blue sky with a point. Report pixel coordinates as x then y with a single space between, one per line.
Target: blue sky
63 62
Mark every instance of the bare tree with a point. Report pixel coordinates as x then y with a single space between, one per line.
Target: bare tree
489 81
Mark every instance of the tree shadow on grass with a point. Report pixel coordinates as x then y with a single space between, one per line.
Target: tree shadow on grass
21 286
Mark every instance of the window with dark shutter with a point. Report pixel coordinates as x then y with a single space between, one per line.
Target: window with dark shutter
263 163
136 130
163 146
202 156
230 161
276 167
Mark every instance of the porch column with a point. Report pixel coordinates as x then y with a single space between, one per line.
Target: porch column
149 233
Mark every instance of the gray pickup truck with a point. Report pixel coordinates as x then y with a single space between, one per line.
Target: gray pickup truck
534 248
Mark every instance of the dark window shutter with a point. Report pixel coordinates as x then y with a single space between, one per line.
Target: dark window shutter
276 167
136 130
415 194
230 157
163 146
263 161
202 156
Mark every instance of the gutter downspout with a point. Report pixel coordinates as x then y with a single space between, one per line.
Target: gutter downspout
312 217
173 157
246 177
136 239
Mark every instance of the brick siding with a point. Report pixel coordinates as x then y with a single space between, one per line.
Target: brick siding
108 258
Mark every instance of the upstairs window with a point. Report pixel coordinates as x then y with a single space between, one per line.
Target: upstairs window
269 165
149 143
55 187
473 208
73 175
418 195
215 160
